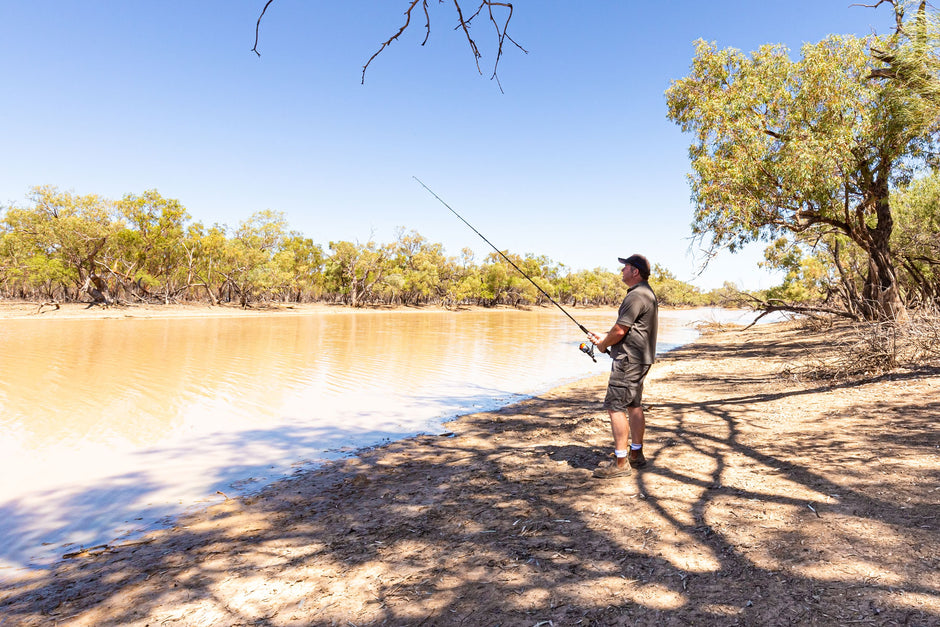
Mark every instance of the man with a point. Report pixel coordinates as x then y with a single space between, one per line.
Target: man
631 343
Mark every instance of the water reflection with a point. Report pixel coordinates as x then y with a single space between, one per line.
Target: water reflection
109 425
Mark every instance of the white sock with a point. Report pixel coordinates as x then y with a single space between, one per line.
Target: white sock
636 447
620 453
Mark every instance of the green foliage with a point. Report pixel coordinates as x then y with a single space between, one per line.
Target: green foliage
418 264
301 262
728 295
671 291
357 272
916 239
147 256
146 248
812 147
806 279
61 237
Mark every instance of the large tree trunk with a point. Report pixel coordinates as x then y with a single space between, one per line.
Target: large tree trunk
96 288
881 293
881 288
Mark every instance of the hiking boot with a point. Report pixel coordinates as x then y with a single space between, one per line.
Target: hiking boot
636 458
611 471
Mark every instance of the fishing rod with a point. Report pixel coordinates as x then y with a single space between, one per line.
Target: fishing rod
585 347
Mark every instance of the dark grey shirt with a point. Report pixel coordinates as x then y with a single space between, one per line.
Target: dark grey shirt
639 314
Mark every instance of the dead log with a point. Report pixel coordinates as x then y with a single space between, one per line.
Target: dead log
50 303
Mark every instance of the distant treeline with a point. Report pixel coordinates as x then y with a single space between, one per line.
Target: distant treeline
146 249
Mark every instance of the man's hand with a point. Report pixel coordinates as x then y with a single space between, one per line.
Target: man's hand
615 334
596 340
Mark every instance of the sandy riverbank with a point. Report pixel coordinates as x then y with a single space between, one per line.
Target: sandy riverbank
18 310
768 500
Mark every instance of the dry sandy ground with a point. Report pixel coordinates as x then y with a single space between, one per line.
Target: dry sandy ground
767 501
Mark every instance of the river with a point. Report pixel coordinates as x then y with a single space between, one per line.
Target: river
109 428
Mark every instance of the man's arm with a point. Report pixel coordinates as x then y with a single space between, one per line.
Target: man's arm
613 336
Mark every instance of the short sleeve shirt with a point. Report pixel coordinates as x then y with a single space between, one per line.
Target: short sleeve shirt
639 314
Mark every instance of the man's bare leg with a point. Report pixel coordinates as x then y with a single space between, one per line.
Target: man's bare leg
620 426
637 424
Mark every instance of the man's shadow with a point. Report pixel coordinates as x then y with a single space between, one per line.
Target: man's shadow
575 455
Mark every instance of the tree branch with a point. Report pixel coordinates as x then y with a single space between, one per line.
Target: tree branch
427 26
898 12
463 23
770 306
258 26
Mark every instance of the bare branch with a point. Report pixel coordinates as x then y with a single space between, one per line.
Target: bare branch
767 307
427 25
414 3
500 32
898 11
463 23
502 35
258 26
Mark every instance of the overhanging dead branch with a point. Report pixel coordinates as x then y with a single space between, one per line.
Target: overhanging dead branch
501 26
767 307
388 42
258 27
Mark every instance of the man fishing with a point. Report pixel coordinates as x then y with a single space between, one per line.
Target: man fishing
631 343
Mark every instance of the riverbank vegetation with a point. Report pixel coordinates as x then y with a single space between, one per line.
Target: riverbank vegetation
61 246
832 157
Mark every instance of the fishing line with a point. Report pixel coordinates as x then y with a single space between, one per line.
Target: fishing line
586 348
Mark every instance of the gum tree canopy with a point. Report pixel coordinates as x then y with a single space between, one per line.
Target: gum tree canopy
811 148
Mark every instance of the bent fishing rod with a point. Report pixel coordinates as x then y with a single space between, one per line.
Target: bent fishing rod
585 347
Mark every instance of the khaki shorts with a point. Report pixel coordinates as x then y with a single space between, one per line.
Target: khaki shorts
625 388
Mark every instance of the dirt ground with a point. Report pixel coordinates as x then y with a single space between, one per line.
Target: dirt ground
768 500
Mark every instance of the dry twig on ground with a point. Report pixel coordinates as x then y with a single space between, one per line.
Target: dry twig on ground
874 347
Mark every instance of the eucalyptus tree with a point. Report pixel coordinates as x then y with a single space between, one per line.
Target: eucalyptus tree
590 286
612 288
245 261
420 265
917 241
26 272
11 265
460 280
258 260
670 290
809 275
355 272
63 236
302 262
809 149
502 284
576 283
207 254
544 272
149 256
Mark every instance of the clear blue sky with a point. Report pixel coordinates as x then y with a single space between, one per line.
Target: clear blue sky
576 160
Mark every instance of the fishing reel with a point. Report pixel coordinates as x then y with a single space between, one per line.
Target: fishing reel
588 349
